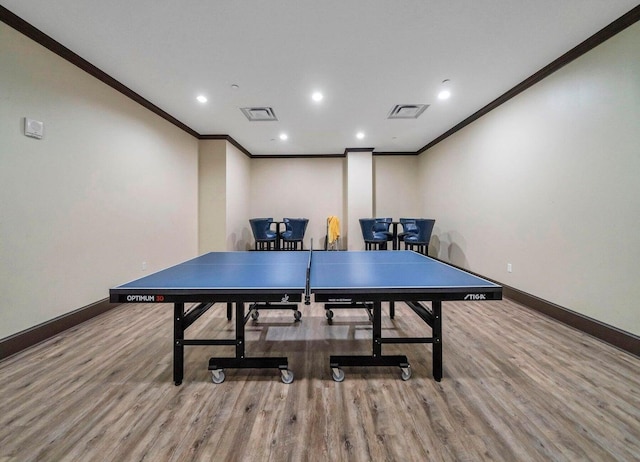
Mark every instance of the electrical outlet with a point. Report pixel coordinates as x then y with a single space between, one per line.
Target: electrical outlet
509 268
144 266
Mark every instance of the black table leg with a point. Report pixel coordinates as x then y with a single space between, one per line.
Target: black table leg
240 330
377 329
178 346
376 358
240 360
436 307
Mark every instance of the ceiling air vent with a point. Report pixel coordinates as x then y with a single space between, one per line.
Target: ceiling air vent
407 111
259 114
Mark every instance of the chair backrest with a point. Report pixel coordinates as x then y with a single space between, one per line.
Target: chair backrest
408 225
260 226
366 224
425 228
297 226
381 225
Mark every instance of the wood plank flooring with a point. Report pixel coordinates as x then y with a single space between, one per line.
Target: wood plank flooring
517 386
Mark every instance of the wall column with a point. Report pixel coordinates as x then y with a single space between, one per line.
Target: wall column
359 189
212 197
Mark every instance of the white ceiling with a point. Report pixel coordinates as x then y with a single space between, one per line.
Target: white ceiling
364 55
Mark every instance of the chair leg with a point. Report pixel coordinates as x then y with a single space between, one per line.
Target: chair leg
420 248
292 245
264 245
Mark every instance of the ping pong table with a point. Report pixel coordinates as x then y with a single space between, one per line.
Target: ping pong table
281 279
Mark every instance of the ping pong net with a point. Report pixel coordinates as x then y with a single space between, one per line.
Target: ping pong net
307 287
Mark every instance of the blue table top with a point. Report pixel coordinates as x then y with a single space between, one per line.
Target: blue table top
331 274
385 270
231 270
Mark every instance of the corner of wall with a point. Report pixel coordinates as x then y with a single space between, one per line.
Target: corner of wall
212 166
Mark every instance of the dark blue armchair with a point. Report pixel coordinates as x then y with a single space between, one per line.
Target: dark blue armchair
382 225
373 239
408 227
421 238
294 233
264 236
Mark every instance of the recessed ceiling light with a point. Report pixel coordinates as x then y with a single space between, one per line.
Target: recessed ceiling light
283 136
360 135
317 96
445 90
202 98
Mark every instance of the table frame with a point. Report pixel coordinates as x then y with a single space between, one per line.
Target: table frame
372 299
430 315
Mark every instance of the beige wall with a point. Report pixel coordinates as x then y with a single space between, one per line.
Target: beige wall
110 186
238 231
395 187
315 188
212 195
359 196
309 188
224 177
549 183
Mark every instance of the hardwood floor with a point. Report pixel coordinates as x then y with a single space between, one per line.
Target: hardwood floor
517 387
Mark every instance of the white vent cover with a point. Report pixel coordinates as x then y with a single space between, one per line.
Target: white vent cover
259 114
407 111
